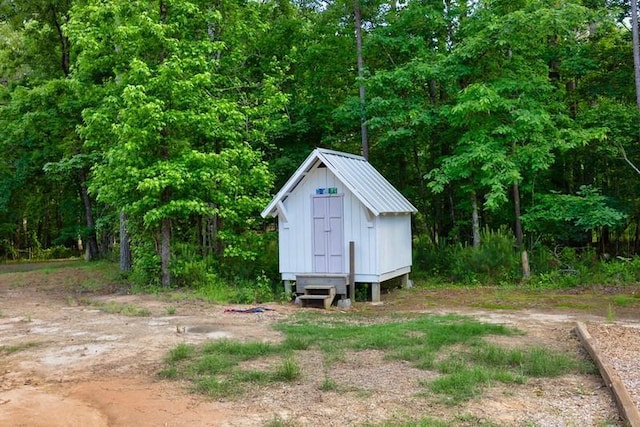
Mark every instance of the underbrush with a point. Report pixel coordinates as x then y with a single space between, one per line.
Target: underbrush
496 262
214 278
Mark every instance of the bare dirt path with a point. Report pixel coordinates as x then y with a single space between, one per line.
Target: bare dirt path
68 364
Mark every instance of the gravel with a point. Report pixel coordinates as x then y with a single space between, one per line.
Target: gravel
620 345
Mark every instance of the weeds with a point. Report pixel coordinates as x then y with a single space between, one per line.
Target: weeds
611 314
288 370
328 384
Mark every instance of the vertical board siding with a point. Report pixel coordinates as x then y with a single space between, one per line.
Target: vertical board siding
395 242
381 246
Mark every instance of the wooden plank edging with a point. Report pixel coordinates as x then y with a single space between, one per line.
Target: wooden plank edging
627 408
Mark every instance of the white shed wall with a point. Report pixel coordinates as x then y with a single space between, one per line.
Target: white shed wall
296 240
394 243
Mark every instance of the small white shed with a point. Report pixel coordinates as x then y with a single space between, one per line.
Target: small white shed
332 199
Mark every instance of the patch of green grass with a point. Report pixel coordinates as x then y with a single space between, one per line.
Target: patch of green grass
462 384
170 311
10 349
467 373
114 307
90 285
288 370
328 384
276 421
473 420
622 300
408 338
452 345
180 352
213 367
497 305
423 422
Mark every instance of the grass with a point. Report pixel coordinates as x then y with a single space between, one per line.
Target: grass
622 300
452 345
114 307
423 422
10 349
329 384
466 373
214 368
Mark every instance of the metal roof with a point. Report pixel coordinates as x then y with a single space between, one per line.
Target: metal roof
357 174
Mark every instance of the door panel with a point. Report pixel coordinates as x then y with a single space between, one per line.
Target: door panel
328 242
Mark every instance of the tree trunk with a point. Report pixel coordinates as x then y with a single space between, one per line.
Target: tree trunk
125 244
165 252
636 48
452 213
92 242
363 112
526 270
65 45
475 220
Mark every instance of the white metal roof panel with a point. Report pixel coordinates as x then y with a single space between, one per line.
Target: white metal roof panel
358 175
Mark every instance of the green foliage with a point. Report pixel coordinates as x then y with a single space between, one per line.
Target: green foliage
168 114
176 144
569 218
570 268
495 261
264 262
146 266
180 352
429 258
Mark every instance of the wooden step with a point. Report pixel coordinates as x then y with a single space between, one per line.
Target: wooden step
326 290
309 300
339 281
323 293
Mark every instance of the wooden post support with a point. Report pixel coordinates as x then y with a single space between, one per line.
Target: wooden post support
352 272
287 287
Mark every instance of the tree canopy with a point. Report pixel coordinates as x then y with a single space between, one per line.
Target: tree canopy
183 116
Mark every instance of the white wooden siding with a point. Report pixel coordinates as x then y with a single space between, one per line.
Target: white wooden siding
382 243
394 245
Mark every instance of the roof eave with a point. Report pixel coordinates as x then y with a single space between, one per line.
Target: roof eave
271 207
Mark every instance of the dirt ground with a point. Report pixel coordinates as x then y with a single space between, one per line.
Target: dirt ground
76 365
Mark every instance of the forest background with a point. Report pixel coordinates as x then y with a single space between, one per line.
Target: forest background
154 132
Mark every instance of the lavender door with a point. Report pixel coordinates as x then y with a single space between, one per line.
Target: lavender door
328 232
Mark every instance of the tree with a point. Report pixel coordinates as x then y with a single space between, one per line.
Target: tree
511 119
636 48
183 124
